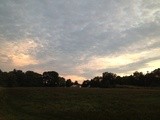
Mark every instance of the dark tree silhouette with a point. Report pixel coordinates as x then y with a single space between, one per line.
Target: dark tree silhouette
108 80
96 82
69 83
139 78
33 79
62 82
11 80
51 78
18 78
86 83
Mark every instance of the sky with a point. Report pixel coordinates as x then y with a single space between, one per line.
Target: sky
80 39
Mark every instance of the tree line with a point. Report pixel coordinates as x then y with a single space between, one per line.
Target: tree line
107 79
18 78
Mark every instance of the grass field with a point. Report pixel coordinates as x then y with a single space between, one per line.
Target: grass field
79 104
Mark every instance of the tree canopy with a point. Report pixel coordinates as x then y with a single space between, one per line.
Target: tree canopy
18 78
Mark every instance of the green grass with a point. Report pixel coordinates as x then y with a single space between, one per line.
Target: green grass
79 104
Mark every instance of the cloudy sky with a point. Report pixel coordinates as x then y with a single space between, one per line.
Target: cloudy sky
80 39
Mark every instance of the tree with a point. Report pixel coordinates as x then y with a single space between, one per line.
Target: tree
11 80
108 80
33 79
154 78
62 82
51 78
86 83
20 77
76 83
1 78
4 79
96 82
139 78
69 83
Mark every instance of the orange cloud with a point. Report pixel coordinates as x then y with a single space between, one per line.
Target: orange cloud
20 52
23 60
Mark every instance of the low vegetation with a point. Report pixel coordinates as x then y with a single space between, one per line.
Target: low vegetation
48 103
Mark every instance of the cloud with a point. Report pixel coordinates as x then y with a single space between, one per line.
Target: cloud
73 37
19 54
150 66
122 63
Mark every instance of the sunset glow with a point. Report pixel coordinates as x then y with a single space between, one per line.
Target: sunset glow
80 39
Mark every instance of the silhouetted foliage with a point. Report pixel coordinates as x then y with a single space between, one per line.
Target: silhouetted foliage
62 82
95 82
86 83
69 83
137 79
18 78
11 80
51 79
33 79
75 84
108 80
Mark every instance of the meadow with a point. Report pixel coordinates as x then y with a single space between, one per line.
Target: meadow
79 104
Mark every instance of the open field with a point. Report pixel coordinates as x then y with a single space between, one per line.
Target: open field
79 104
